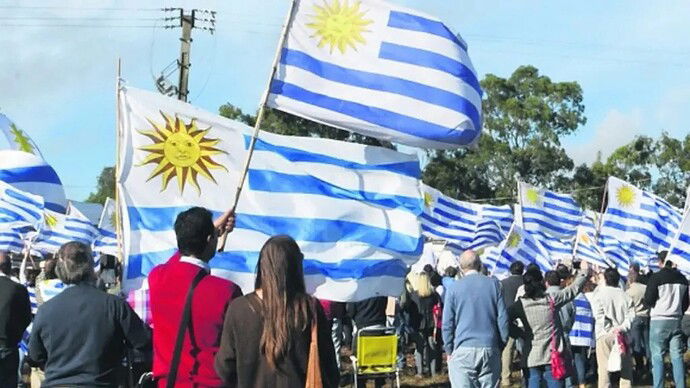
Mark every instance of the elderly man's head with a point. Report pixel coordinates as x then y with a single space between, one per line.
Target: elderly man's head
469 261
75 263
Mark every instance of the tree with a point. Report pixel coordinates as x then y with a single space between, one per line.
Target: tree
105 187
525 116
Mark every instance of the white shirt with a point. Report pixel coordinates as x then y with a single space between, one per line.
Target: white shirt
195 261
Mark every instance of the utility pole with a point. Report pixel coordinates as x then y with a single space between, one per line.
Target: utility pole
188 22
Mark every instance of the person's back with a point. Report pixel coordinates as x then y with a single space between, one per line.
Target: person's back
636 293
169 283
78 337
474 299
81 333
168 286
15 316
368 312
666 294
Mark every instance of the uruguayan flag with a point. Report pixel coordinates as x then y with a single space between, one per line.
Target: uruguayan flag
521 245
106 242
352 209
59 229
637 220
10 240
491 258
32 174
549 212
19 209
679 252
380 70
586 249
17 139
582 333
462 225
559 249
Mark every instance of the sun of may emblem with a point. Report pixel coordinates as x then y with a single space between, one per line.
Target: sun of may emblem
532 195
428 199
625 195
180 150
339 25
513 240
21 139
50 220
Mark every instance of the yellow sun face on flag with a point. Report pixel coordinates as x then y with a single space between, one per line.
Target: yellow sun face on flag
625 195
21 140
532 195
513 240
339 25
50 220
180 151
584 238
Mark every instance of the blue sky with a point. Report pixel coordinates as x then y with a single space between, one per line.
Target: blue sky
632 59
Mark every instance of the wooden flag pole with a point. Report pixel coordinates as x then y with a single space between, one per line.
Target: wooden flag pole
601 213
259 120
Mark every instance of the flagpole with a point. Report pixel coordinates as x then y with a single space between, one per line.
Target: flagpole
519 195
118 146
259 118
601 212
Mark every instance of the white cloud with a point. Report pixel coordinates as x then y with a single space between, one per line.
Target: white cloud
615 130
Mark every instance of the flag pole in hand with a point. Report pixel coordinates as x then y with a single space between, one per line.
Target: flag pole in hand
259 118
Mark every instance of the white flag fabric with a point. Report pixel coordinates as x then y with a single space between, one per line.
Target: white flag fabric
381 70
586 249
522 246
549 212
19 209
679 252
59 229
352 209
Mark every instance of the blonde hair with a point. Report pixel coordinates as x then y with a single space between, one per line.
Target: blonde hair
420 283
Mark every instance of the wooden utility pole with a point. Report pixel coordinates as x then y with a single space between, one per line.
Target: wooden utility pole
187 23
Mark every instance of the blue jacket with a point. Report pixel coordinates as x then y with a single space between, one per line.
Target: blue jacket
474 314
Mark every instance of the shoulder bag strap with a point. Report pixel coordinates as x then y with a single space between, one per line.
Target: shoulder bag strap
184 324
552 307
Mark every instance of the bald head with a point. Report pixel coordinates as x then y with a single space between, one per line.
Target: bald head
5 263
469 261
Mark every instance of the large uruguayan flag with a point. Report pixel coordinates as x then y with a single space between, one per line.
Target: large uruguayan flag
549 212
521 245
32 174
106 242
19 209
352 209
586 249
679 252
462 225
17 139
10 240
58 229
637 221
380 70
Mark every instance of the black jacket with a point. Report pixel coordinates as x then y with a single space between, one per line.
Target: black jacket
80 337
368 312
510 286
15 312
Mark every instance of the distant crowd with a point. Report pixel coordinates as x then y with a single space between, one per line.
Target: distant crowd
65 324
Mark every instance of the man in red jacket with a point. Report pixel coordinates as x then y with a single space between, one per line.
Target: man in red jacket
197 238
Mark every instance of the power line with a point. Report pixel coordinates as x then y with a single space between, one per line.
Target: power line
58 18
20 7
77 26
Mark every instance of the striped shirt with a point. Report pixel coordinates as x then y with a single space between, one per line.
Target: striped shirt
582 333
32 299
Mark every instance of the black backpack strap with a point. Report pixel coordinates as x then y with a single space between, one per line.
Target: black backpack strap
184 324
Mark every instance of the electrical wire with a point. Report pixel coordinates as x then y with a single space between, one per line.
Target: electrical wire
75 26
23 7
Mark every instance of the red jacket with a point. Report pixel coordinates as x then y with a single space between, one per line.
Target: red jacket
168 284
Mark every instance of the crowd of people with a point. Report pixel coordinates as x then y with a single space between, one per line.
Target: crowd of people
566 327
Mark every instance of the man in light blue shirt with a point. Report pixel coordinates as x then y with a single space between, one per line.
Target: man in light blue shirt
475 326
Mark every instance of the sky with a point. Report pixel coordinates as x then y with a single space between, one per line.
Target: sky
632 59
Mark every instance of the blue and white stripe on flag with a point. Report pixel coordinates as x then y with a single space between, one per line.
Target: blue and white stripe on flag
491 258
502 215
353 209
19 208
522 246
24 342
106 242
462 225
582 333
59 229
586 249
558 249
380 70
32 299
30 173
637 220
10 240
549 212
679 251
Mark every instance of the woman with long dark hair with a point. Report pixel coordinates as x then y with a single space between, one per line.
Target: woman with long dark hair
541 326
267 334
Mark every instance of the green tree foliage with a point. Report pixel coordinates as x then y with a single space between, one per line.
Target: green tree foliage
525 116
105 187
